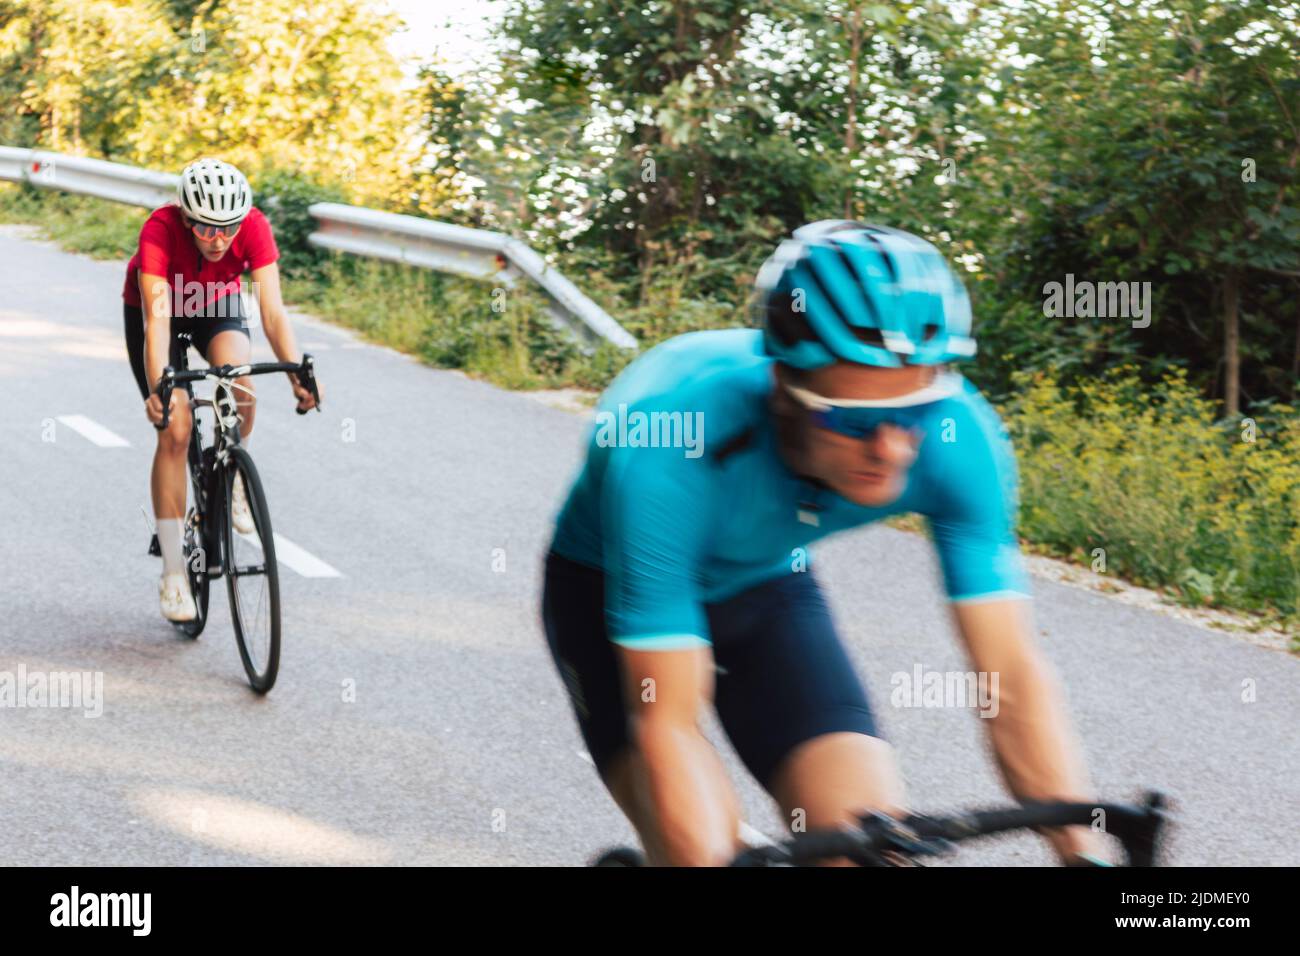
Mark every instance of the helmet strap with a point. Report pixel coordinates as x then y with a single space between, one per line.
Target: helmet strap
793 430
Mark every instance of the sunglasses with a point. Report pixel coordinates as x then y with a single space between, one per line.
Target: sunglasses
205 231
859 418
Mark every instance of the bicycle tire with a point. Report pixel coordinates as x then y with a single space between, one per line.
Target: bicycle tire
198 578
261 669
200 461
620 856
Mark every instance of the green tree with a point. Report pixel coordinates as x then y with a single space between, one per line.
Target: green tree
1144 141
272 83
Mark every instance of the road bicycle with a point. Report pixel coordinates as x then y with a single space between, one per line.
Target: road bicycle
881 840
213 547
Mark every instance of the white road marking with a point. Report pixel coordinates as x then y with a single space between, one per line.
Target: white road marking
301 560
94 432
297 558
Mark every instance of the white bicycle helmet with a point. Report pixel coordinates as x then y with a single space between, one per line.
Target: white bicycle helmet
214 192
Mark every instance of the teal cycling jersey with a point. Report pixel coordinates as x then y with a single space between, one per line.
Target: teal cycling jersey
684 499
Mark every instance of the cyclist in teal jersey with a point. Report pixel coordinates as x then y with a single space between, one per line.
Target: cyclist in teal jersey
678 575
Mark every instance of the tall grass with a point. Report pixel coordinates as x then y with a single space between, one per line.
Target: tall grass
502 334
79 223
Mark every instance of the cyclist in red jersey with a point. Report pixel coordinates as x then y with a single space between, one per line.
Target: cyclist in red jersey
187 271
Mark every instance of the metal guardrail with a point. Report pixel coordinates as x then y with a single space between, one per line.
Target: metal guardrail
89 177
423 243
477 253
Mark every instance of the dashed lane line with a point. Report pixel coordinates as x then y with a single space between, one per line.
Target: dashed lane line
93 431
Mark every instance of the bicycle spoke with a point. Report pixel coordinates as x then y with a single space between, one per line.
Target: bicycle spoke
249 570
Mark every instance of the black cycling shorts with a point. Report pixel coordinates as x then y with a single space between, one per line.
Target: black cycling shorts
199 330
783 677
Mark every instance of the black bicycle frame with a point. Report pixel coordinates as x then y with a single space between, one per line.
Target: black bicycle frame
204 473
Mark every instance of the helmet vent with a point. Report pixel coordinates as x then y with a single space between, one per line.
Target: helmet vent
788 326
885 254
869 336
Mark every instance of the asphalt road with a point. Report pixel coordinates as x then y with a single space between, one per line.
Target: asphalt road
417 719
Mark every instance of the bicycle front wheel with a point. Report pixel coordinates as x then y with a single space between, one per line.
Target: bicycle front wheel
252 576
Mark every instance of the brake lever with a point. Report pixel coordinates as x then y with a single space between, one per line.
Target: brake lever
164 391
1142 847
307 379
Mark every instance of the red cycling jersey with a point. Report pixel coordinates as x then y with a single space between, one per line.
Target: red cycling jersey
167 249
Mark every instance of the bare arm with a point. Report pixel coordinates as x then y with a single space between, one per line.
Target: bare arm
155 295
156 303
275 322
688 803
1037 750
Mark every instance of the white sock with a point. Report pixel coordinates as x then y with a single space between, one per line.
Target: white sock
169 541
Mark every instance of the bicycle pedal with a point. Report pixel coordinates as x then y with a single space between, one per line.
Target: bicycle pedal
154 549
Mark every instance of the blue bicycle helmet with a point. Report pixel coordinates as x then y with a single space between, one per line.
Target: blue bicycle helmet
849 291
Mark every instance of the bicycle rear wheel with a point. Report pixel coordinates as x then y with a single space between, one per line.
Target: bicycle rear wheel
196 570
252 576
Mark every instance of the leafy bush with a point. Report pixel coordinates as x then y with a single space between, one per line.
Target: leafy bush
285 197
1205 508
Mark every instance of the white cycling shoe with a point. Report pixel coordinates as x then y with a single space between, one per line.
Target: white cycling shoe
174 598
241 516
